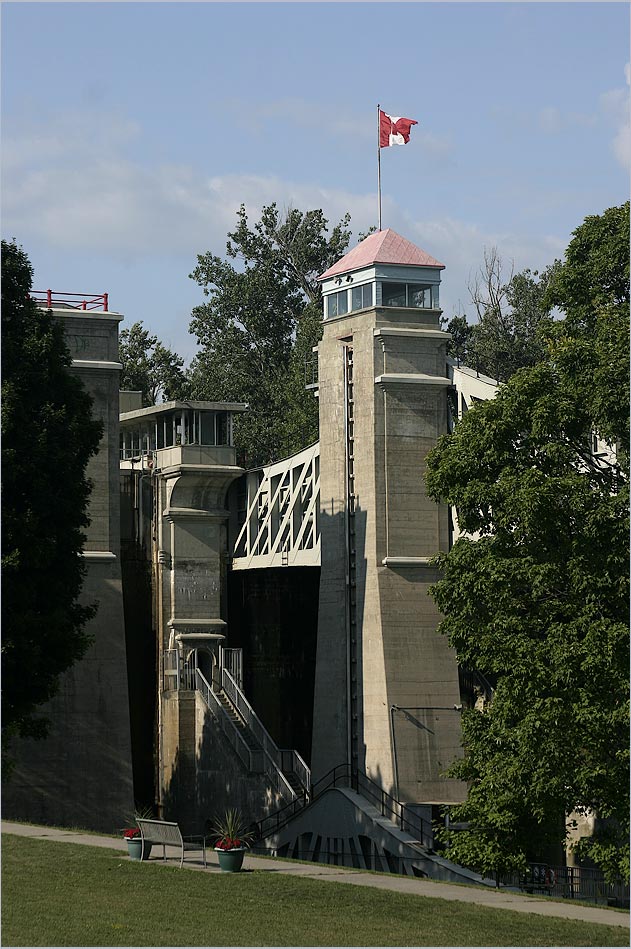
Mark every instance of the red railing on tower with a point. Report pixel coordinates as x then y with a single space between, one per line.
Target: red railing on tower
75 301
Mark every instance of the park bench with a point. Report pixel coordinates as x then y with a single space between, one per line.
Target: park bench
169 834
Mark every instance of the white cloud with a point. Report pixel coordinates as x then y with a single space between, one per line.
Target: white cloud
77 192
615 107
460 246
553 121
337 123
87 195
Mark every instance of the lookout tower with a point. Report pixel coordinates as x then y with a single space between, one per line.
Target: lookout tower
386 692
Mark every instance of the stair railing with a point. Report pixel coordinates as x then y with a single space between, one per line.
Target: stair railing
256 761
292 762
177 672
407 820
253 760
275 821
286 759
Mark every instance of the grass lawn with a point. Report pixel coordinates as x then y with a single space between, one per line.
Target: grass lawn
59 894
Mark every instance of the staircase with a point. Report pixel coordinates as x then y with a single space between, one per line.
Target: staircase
287 773
351 821
292 772
238 723
294 780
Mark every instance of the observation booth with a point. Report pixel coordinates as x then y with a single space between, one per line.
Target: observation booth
384 270
183 426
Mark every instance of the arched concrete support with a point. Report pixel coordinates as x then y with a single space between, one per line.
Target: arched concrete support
342 828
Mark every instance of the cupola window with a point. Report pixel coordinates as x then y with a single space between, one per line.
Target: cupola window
361 296
415 295
337 304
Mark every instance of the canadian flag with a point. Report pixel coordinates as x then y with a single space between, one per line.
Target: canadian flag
394 130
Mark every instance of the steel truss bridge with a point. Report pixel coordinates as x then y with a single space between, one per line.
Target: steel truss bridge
279 505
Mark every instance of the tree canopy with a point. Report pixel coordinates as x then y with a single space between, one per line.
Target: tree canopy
261 321
48 436
513 314
535 594
149 367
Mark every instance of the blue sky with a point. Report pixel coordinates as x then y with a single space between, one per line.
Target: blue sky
132 132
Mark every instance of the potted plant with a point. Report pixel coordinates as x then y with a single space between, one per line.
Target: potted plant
233 839
134 838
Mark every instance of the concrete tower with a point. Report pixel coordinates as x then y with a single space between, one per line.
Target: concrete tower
81 774
386 690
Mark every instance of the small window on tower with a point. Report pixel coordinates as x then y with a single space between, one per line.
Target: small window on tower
419 296
393 294
337 304
362 297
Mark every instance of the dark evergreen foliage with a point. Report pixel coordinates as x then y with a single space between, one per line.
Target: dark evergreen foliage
48 436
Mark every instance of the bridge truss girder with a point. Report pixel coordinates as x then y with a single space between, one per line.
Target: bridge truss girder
281 520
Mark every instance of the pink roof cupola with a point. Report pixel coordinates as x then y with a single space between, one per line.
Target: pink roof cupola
382 247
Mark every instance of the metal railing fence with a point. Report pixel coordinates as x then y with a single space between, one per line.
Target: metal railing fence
74 301
232 660
345 776
177 672
584 883
252 759
407 820
286 759
257 761
276 820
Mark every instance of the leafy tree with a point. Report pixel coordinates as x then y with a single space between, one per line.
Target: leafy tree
459 345
539 601
150 367
260 324
513 317
48 436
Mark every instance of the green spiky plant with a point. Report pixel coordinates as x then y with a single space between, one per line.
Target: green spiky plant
231 830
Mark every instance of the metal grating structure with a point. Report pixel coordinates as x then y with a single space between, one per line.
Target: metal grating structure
280 514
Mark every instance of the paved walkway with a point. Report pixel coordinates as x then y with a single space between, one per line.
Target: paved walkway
498 899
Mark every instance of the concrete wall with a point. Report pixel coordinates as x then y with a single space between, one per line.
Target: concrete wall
190 565
81 774
201 774
393 656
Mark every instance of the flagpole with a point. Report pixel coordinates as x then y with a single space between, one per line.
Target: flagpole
378 167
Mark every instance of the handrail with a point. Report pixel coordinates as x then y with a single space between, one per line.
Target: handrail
76 301
230 730
279 756
279 818
345 776
183 671
256 761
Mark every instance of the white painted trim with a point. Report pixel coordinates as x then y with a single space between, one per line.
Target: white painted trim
405 378
395 331
406 561
102 555
96 364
